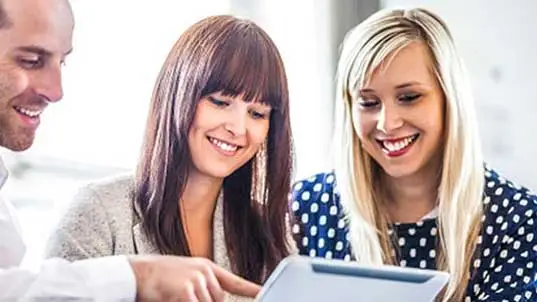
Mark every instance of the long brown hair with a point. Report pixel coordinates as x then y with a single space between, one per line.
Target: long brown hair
236 57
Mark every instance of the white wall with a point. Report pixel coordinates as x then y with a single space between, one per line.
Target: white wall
498 42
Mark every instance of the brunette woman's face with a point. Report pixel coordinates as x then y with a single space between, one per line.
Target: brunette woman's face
226 133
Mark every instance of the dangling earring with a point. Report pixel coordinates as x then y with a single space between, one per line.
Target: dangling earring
259 173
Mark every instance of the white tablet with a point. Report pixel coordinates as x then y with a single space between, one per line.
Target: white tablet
300 278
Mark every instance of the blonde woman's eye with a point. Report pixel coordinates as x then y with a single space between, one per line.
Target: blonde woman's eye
368 104
409 98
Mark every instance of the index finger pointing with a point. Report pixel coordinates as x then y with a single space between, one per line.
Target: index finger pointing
234 284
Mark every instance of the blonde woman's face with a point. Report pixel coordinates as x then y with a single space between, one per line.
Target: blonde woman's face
399 114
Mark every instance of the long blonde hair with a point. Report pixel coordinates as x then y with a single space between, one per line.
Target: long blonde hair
460 191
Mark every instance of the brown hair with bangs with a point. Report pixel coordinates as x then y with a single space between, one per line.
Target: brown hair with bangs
236 57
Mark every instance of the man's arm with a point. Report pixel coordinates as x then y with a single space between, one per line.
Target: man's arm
99 279
12 247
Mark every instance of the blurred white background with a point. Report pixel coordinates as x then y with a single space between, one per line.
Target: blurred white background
120 45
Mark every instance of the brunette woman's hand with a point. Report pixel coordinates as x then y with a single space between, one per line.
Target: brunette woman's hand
173 278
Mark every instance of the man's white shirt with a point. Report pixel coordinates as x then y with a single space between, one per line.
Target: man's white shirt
100 279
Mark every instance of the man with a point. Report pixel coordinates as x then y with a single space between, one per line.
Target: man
35 38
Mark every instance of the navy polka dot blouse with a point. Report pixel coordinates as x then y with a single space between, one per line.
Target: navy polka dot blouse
506 269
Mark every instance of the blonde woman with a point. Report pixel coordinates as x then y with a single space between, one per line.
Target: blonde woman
409 186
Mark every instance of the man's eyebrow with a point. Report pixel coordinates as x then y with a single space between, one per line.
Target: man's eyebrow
40 50
36 50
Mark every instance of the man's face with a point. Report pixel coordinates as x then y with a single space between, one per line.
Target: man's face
32 52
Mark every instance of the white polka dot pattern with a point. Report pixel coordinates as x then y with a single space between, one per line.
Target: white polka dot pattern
503 269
